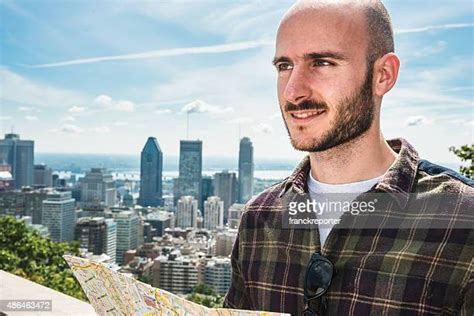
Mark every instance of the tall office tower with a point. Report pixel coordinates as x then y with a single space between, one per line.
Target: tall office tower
213 213
245 170
235 213
217 275
98 187
187 212
127 233
59 216
224 242
111 244
176 274
91 232
19 154
151 174
43 176
190 169
207 190
225 187
27 202
159 221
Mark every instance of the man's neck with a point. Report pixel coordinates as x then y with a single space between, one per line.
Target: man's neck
363 158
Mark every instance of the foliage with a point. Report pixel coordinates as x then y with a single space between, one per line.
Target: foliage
25 253
204 295
466 153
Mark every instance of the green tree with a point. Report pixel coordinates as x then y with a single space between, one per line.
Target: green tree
204 295
466 153
25 253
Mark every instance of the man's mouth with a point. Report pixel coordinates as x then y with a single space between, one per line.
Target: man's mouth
306 115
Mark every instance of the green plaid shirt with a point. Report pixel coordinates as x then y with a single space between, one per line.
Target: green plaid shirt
409 271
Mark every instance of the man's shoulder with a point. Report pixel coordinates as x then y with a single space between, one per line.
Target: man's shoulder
441 179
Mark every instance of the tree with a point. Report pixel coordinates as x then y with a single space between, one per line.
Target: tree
25 253
466 153
204 295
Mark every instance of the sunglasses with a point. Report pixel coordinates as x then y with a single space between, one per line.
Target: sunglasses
319 274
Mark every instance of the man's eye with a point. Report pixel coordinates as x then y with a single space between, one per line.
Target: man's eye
283 67
322 63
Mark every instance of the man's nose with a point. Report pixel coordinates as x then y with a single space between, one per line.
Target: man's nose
297 88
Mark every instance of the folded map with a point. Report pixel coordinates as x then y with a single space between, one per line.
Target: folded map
113 293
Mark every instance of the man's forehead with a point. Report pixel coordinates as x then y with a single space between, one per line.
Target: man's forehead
322 28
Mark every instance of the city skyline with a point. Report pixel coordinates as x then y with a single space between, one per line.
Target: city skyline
69 78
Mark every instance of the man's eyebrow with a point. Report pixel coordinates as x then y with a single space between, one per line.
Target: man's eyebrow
328 54
280 59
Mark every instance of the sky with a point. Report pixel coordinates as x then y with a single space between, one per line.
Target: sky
103 76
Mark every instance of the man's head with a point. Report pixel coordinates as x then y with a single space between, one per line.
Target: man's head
335 61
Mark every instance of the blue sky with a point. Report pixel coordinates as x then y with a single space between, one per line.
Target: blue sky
102 76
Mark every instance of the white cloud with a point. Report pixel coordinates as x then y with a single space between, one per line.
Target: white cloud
5 118
276 115
76 109
163 111
263 128
416 120
24 109
31 118
68 129
120 105
199 106
242 120
434 28
101 129
68 118
119 123
215 49
24 91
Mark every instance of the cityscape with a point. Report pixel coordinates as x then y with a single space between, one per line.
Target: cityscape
174 234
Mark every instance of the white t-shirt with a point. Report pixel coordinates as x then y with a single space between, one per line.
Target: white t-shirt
315 187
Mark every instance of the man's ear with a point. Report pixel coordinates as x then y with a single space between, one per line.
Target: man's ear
386 73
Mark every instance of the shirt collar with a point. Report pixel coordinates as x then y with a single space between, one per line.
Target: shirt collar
397 181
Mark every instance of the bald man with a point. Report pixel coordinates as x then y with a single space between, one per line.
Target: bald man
335 62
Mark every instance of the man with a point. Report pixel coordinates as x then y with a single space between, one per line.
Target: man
335 62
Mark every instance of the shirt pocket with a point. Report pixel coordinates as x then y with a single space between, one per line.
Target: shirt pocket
382 293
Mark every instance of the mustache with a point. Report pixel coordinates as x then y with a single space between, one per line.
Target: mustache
305 105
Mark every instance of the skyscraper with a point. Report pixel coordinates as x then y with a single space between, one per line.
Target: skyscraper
151 172
127 233
43 176
59 216
207 189
186 213
98 187
91 232
245 170
225 187
19 154
213 213
190 169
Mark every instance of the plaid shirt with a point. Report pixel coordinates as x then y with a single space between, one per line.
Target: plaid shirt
411 271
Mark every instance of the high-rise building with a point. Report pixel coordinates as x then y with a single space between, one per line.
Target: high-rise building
24 202
151 174
43 176
225 187
245 170
19 154
91 232
187 212
207 189
97 187
59 216
224 242
159 221
127 233
213 213
235 213
190 170
175 273
217 274
111 244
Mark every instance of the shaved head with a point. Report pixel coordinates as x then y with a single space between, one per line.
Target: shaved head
378 22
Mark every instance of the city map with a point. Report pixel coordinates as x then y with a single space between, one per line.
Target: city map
113 293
